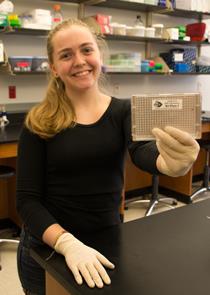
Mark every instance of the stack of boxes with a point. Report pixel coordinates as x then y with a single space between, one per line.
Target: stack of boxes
9 20
195 5
124 62
181 59
103 22
99 22
29 63
37 19
182 32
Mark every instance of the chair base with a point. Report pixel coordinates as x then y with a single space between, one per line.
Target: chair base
206 173
155 198
164 201
7 241
169 202
6 171
198 192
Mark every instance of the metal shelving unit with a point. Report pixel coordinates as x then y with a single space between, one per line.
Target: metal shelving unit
125 5
123 38
108 37
24 31
128 5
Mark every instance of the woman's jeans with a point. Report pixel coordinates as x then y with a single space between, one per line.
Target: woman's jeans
31 275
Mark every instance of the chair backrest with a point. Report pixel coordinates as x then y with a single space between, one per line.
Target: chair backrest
122 206
205 144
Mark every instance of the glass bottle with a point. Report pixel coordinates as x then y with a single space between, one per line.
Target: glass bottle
57 16
138 21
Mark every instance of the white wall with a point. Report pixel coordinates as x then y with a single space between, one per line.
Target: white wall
32 88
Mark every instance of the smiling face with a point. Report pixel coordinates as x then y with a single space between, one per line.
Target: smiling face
76 58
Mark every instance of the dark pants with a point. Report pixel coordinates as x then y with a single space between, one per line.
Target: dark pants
31 275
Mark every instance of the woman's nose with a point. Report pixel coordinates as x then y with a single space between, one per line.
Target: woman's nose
79 59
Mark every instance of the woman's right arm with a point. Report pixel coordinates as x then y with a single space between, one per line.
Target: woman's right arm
31 183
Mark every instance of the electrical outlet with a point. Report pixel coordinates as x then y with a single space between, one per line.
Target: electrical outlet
12 92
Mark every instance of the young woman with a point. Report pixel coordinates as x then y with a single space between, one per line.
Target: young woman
71 160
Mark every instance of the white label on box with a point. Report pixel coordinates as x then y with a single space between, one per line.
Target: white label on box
178 57
165 104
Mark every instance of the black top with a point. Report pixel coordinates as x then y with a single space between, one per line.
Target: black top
163 254
76 178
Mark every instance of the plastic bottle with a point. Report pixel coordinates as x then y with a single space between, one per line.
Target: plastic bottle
57 16
138 21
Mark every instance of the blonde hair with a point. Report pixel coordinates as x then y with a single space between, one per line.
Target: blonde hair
55 112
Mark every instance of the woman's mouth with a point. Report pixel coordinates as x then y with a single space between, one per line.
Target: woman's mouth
81 73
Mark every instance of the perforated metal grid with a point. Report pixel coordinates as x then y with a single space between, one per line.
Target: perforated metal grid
180 110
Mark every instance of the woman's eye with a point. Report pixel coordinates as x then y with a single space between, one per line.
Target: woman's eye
66 56
87 50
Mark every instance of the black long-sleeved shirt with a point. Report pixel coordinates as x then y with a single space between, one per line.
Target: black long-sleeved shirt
76 178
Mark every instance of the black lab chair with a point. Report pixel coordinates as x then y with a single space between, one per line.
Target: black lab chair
204 144
5 173
154 199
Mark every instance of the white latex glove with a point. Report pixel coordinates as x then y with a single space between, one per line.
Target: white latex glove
178 151
84 261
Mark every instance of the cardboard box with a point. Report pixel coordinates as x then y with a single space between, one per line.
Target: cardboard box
20 63
97 27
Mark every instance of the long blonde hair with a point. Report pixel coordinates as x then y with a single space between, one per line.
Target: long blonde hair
55 112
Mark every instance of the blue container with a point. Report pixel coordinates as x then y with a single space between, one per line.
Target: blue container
145 66
181 68
163 3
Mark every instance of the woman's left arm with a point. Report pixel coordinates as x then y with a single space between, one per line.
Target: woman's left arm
173 153
177 151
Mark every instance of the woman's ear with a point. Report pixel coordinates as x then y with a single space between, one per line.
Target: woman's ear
54 72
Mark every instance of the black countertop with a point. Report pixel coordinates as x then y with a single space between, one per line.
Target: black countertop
11 132
167 253
205 116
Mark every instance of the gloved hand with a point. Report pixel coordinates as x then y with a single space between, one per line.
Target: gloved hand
178 151
83 261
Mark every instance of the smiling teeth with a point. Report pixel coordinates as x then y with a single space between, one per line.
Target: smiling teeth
82 73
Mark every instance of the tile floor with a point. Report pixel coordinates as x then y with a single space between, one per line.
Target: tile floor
9 282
